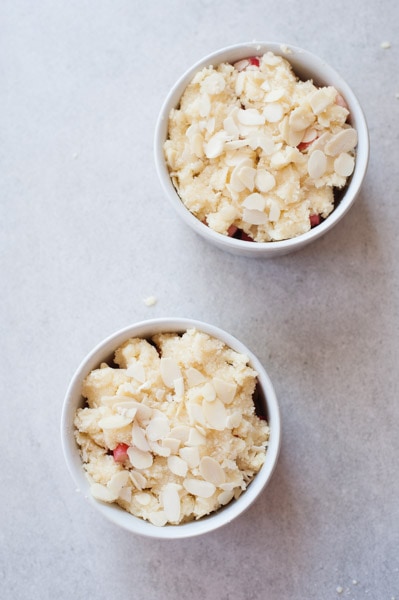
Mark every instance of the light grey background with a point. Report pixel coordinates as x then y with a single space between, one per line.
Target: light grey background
86 235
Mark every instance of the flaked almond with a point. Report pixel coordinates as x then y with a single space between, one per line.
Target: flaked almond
139 438
197 487
273 112
208 392
172 443
195 438
258 139
171 502
194 377
139 459
322 99
215 414
114 422
195 414
213 84
157 428
138 479
118 481
274 211
301 118
204 105
250 116
224 389
264 181
158 518
247 176
254 217
317 164
225 497
159 448
230 127
234 420
344 164
170 371
344 141
255 201
180 432
190 455
143 498
211 470
137 371
178 466
215 146
101 492
178 384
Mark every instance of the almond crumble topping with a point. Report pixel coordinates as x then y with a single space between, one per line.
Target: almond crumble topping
171 434
252 149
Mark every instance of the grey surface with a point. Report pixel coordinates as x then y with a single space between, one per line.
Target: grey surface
86 235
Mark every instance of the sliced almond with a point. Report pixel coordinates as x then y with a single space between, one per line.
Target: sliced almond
195 414
250 116
114 422
139 438
247 176
157 428
159 449
178 384
301 118
234 420
224 389
344 164
264 181
195 438
321 100
255 201
171 502
208 392
138 479
273 112
177 465
180 432
172 443
230 127
211 470
158 518
101 492
254 217
274 211
143 498
137 371
215 414
215 145
317 164
190 455
139 459
258 139
225 497
344 141
194 377
170 371
197 487
118 481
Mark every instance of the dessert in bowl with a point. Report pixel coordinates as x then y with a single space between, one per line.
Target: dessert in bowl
171 428
261 148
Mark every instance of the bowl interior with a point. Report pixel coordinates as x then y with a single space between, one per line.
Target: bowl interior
306 66
73 400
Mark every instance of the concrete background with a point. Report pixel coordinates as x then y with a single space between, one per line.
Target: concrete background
86 235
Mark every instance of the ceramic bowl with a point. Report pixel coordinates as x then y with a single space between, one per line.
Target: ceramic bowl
104 352
306 66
